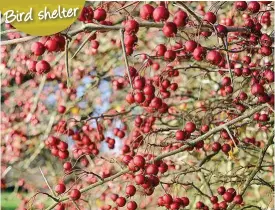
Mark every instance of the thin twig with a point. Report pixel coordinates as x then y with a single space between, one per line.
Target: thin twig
83 44
37 97
19 40
125 56
125 6
224 41
42 144
76 205
183 6
67 62
46 181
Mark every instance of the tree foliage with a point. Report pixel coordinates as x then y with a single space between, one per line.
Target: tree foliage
142 105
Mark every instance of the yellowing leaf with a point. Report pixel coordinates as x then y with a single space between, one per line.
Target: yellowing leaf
176 188
98 203
117 108
232 154
183 107
235 150
173 122
75 110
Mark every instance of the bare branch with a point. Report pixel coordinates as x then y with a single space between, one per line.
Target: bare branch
125 56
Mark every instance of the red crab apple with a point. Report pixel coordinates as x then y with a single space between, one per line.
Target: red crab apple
190 45
190 127
131 26
213 57
180 18
180 135
238 199
75 194
221 190
38 48
60 188
42 67
132 205
160 13
139 161
121 201
146 11
169 29
160 50
253 6
130 190
167 199
100 14
240 5
210 17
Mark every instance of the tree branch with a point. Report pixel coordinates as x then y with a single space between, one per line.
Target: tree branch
183 6
162 156
125 57
256 169
19 40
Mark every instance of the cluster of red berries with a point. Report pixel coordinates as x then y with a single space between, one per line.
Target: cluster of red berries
14 35
119 133
228 196
190 48
131 28
226 85
184 134
265 19
136 140
121 201
161 14
167 54
16 146
88 15
258 90
55 43
74 194
83 145
189 128
225 147
144 124
173 203
61 127
264 40
148 178
118 84
58 148
145 91
111 142
94 44
252 140
261 117
258 80
252 6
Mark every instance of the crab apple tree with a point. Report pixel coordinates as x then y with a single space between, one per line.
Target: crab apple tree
142 105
